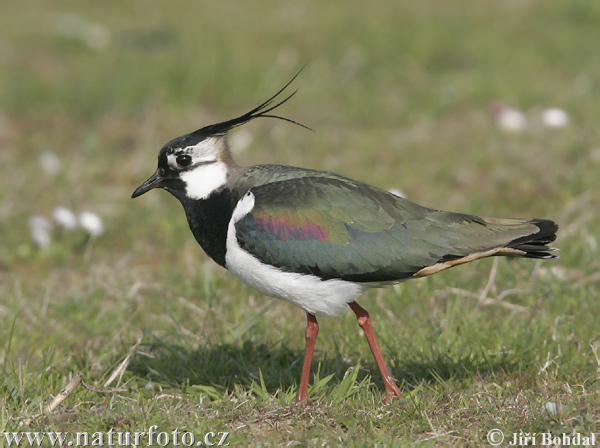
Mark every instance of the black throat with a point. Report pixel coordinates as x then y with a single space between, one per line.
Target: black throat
209 219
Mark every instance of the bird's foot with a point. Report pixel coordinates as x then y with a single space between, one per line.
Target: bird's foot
391 390
301 402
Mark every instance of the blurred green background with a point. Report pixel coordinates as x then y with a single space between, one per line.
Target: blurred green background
400 95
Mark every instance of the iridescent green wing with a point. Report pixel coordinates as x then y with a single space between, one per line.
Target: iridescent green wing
318 223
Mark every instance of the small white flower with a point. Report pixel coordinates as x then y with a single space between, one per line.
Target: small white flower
49 162
39 222
553 409
70 24
507 118
41 237
97 37
40 230
511 120
555 118
240 140
65 218
91 223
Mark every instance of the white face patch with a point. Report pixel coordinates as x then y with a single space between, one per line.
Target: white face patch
202 180
206 173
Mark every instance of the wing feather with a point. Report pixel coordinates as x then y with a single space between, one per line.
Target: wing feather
322 224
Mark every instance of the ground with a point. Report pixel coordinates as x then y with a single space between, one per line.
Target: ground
400 95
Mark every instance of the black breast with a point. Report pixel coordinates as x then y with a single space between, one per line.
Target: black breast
208 219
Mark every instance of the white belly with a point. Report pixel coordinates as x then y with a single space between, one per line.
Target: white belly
320 297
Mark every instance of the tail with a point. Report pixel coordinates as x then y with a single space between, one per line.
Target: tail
535 245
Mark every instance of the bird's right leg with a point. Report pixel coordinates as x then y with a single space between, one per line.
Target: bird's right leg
362 316
312 330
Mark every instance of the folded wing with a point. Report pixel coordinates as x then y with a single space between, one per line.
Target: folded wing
333 227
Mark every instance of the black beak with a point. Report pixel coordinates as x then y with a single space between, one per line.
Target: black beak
153 181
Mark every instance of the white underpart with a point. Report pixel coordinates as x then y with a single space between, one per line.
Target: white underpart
320 297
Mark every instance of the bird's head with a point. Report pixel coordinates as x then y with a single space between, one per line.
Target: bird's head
191 166
197 164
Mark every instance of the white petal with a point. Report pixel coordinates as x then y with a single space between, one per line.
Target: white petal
240 140
511 120
91 223
41 237
39 222
50 163
65 218
555 118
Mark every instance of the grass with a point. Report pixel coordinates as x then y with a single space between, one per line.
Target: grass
399 98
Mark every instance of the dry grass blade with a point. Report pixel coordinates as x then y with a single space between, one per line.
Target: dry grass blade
120 370
64 394
476 347
595 348
490 282
103 390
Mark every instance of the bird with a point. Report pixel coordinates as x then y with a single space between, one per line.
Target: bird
317 239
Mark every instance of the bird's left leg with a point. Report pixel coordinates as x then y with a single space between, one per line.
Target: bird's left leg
362 316
312 330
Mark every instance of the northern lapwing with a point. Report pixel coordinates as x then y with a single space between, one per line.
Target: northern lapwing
320 240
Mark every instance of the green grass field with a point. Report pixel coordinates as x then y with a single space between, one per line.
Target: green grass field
399 95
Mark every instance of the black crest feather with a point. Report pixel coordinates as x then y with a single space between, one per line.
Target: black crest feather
258 112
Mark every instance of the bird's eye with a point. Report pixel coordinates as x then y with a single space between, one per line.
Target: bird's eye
183 160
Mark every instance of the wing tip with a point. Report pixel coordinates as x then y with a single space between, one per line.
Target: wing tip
535 245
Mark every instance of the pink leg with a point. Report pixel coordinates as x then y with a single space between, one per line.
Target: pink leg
362 316
312 330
